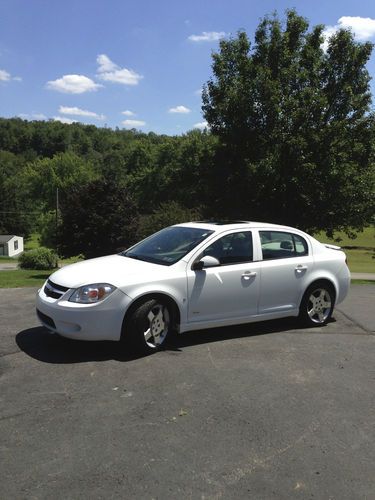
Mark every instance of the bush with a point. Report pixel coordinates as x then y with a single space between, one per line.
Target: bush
38 258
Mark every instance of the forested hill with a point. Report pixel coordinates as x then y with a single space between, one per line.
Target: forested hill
35 139
38 157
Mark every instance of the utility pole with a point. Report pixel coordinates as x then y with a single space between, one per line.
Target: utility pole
57 215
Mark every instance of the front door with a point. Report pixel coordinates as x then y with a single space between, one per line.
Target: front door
229 290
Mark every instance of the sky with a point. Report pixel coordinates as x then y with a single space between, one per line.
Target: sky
134 64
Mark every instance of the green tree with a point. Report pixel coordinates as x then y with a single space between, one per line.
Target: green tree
97 218
192 180
17 212
295 127
167 214
63 171
48 227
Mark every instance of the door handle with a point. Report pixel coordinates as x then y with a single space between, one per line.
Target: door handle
300 268
247 275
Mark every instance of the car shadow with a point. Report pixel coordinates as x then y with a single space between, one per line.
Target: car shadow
40 344
178 342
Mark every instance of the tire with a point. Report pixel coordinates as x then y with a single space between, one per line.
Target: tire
149 326
317 305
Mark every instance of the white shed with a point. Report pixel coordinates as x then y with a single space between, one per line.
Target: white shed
11 245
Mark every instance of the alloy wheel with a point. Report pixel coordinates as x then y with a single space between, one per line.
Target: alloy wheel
157 326
319 305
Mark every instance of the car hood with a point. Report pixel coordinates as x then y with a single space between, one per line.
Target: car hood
113 269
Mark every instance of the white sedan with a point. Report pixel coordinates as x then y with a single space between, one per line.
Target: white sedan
192 276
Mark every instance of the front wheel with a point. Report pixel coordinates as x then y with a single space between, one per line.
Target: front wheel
149 326
317 305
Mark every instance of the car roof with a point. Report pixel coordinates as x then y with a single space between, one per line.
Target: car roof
221 225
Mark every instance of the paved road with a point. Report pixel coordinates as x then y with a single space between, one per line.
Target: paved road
266 411
360 307
7 266
363 276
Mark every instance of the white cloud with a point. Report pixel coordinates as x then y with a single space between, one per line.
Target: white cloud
363 28
128 113
4 76
208 36
65 110
201 125
179 109
105 64
64 119
111 72
73 84
133 123
32 116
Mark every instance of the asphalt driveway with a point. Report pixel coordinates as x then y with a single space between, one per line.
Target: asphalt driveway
259 411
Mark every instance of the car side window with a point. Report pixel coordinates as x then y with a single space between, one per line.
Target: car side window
280 245
233 248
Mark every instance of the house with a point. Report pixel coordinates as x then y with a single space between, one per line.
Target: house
11 245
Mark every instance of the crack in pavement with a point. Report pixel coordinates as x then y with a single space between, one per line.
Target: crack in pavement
9 353
355 322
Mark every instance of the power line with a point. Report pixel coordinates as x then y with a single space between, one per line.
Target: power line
18 212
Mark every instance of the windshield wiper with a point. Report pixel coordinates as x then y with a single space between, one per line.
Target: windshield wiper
136 257
144 258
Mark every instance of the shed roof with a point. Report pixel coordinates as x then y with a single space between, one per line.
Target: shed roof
4 238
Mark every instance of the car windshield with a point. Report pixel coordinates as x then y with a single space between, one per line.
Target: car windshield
168 245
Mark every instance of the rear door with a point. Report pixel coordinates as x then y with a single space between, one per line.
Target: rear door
286 264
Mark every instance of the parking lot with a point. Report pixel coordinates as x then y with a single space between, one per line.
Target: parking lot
258 411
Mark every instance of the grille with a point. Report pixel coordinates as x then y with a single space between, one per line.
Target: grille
45 319
53 290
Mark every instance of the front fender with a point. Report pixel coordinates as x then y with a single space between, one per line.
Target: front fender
173 292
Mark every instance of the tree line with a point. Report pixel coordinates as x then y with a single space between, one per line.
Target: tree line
291 141
119 179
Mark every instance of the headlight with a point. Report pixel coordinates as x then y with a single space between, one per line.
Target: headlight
90 294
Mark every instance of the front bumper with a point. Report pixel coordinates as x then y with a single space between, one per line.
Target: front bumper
101 321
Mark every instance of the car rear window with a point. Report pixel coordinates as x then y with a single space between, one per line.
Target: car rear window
282 245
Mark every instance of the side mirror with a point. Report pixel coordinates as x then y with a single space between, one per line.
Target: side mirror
206 261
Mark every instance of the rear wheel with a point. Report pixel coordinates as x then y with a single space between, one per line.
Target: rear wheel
317 304
149 326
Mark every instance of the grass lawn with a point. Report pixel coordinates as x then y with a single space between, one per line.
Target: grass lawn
365 239
8 259
23 277
70 260
360 261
